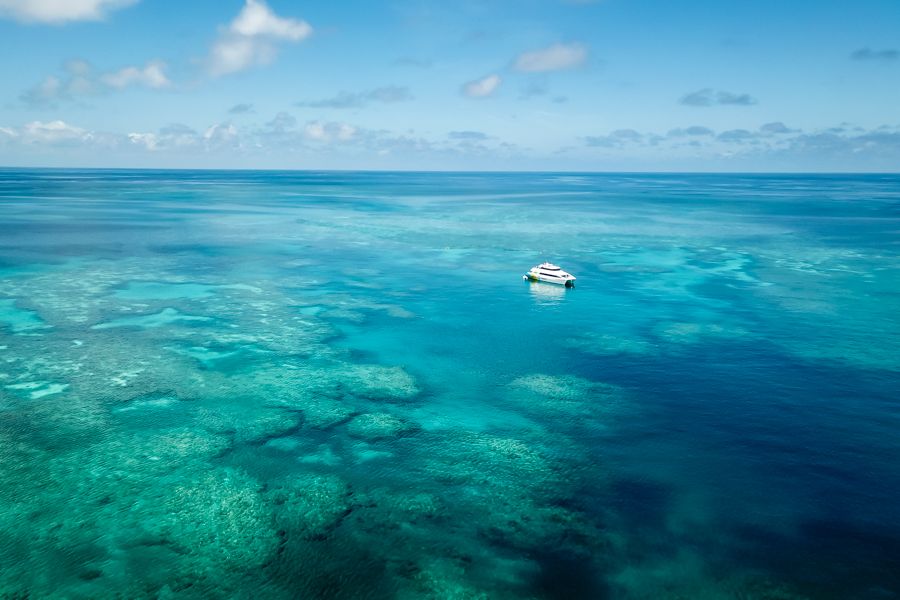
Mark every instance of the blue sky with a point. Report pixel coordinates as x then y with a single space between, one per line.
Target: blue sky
799 85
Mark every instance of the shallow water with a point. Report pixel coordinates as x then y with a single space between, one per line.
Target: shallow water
282 384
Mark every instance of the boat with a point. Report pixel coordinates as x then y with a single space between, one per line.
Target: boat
550 273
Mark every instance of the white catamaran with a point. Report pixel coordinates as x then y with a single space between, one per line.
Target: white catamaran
550 273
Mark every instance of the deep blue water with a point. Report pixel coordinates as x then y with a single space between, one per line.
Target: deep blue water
302 384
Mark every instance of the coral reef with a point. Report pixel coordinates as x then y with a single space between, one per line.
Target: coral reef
377 382
238 398
693 333
249 425
167 316
310 506
19 320
380 426
565 396
607 344
217 523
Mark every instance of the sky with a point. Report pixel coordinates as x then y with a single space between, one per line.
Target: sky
570 85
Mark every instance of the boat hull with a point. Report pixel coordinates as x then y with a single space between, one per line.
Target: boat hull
553 280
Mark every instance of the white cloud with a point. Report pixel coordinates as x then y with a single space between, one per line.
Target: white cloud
710 97
552 58
387 94
46 92
152 76
284 141
315 130
59 11
482 88
329 132
175 137
251 38
179 135
258 19
181 138
220 134
147 140
282 123
80 80
52 132
242 108
280 134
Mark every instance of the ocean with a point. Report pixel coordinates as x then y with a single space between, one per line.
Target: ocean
248 384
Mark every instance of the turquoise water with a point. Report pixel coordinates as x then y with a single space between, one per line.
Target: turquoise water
337 385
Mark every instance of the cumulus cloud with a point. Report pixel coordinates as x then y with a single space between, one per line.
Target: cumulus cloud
52 132
843 147
735 135
695 136
281 135
628 134
178 133
240 109
284 134
730 98
46 92
251 39
283 122
482 88
692 131
340 100
284 130
79 79
59 11
220 134
776 128
879 55
176 136
710 97
616 139
7 133
601 141
152 75
145 140
390 93
535 88
387 94
329 132
870 149
552 58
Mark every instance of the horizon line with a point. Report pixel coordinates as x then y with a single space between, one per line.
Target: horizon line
480 171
